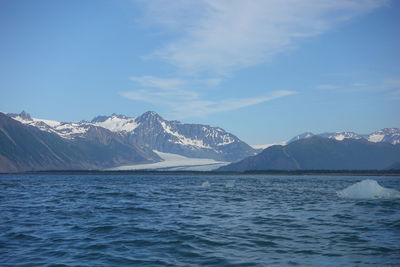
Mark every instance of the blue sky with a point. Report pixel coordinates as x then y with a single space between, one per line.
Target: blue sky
263 70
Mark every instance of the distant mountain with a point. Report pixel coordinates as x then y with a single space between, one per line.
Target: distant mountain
26 148
318 153
387 135
190 140
150 132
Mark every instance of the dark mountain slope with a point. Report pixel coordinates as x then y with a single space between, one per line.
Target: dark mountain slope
317 153
24 148
190 140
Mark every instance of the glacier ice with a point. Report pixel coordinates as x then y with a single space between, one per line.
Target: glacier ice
205 184
368 189
230 184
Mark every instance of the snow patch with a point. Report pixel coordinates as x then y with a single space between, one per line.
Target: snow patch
183 140
376 138
226 140
116 124
21 120
48 122
70 130
368 189
339 137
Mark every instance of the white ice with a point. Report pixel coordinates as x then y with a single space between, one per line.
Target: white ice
230 184
205 184
176 162
368 189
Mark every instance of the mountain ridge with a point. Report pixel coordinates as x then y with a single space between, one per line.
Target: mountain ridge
151 131
389 135
319 153
27 148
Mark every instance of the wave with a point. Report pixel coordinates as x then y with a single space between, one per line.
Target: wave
368 189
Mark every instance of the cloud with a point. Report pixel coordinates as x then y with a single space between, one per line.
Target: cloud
392 83
186 103
208 40
226 35
395 95
353 87
161 83
327 87
389 86
204 108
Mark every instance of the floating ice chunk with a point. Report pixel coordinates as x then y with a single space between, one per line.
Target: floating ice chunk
368 189
230 184
205 184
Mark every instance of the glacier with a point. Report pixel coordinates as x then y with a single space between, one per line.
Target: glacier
175 162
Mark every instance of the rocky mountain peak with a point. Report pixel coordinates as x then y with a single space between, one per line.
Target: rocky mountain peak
100 118
149 116
25 116
390 131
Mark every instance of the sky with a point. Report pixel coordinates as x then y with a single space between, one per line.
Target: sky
264 70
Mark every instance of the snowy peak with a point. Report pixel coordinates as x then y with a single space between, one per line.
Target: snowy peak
21 117
151 132
388 135
190 140
115 123
25 116
150 117
340 136
301 136
193 136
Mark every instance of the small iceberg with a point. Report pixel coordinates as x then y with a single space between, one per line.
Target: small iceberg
205 184
368 189
230 184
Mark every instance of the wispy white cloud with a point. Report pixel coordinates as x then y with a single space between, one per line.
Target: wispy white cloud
393 87
226 35
389 86
350 87
187 103
392 83
327 87
395 94
161 83
211 39
203 108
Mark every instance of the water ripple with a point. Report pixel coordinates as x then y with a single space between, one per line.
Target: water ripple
167 220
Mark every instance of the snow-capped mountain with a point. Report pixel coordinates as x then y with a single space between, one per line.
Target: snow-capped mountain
25 147
152 132
319 153
115 123
190 140
388 135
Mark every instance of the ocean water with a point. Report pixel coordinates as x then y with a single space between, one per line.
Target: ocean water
198 220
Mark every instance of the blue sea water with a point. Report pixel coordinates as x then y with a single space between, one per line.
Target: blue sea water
195 220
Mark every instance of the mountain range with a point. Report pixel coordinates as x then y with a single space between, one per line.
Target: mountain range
116 141
109 141
388 135
319 153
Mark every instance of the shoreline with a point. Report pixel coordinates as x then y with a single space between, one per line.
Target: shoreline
266 172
